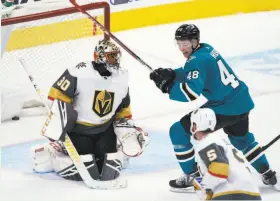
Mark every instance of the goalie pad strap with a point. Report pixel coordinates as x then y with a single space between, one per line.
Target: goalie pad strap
111 167
71 172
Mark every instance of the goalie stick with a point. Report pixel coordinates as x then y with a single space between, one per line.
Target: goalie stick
71 150
106 31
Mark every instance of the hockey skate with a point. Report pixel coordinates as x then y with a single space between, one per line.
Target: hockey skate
183 184
270 178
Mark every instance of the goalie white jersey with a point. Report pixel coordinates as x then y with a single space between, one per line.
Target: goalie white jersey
99 100
224 169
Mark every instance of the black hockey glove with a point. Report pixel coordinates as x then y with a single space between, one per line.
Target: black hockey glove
163 78
166 73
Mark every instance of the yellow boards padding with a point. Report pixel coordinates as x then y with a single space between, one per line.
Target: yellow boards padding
51 33
196 9
137 18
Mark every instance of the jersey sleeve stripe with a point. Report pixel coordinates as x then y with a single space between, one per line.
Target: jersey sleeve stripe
190 95
195 95
219 169
56 94
183 91
124 113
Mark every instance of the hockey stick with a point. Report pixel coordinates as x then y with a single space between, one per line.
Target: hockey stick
71 150
271 142
106 31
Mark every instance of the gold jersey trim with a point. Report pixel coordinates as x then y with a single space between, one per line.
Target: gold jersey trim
56 94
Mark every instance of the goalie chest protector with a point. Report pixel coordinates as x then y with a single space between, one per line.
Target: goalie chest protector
96 97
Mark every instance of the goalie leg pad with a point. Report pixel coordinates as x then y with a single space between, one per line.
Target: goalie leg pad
111 167
64 167
51 157
42 157
43 154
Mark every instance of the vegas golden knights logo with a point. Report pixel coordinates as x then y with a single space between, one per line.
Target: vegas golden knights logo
103 102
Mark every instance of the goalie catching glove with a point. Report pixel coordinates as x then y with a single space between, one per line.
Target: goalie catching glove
132 138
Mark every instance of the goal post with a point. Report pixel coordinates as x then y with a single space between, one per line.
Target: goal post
105 17
49 42
60 12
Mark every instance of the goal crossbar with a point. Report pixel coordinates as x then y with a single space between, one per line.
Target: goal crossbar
60 12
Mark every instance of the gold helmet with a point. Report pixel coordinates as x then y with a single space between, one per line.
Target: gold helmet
107 53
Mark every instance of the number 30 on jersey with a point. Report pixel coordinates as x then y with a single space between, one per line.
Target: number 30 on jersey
63 84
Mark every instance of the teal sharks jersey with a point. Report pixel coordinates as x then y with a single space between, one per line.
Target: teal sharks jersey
207 73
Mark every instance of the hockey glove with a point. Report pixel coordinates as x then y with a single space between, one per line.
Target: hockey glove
163 78
202 193
166 73
132 138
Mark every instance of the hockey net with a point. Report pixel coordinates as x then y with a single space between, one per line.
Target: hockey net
48 42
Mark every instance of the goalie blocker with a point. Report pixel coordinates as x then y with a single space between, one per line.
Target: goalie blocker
99 154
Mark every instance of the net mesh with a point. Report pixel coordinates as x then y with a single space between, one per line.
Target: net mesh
48 46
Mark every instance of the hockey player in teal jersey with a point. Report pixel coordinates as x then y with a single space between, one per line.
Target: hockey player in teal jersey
206 74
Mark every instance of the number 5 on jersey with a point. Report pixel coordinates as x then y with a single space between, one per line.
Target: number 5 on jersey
211 154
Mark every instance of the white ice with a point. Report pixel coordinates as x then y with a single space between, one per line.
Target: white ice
249 41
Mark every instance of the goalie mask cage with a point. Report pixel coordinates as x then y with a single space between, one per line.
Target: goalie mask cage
49 42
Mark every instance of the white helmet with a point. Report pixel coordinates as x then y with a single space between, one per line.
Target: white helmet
108 53
204 118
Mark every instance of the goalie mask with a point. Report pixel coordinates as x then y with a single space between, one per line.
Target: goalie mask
109 54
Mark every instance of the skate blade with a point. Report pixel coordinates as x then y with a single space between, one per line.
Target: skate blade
182 190
277 186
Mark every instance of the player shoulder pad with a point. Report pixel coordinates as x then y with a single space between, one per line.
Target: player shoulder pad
81 65
123 76
192 58
213 152
197 62
78 68
214 138
124 72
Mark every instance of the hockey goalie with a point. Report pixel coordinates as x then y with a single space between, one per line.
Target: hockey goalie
91 103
